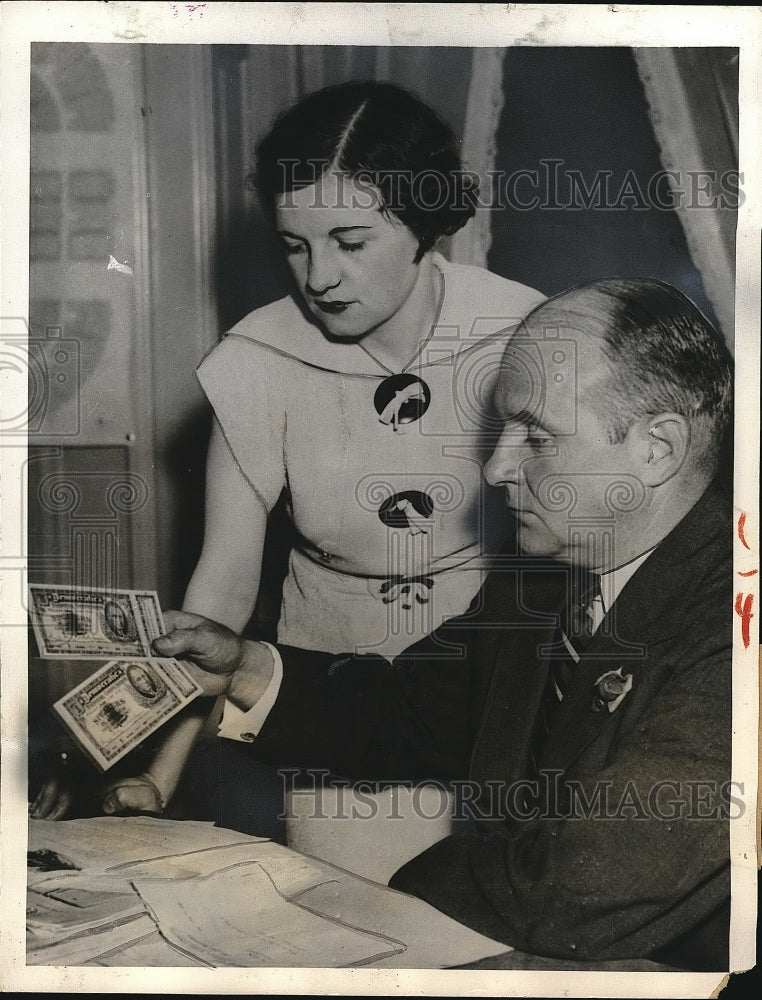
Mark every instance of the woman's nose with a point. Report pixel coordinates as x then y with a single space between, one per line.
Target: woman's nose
323 273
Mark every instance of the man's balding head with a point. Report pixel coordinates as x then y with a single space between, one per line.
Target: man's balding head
614 399
661 353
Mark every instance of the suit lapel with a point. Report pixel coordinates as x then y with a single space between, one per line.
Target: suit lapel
518 676
581 716
647 611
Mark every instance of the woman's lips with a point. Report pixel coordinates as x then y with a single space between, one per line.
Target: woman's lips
332 307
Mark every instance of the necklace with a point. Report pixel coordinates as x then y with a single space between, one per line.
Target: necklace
403 397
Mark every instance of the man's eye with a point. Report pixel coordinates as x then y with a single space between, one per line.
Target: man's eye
351 246
538 439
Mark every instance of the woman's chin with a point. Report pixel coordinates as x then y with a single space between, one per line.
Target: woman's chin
337 326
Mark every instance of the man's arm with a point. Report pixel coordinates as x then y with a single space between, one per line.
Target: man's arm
359 716
364 717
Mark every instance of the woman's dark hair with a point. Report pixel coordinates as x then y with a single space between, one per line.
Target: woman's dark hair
383 136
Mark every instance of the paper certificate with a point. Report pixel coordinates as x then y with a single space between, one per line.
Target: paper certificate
79 623
121 704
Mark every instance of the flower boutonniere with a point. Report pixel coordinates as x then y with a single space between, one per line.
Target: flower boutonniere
611 689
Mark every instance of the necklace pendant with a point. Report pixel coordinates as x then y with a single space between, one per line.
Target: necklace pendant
401 399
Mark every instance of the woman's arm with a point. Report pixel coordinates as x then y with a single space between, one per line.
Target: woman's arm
224 588
225 583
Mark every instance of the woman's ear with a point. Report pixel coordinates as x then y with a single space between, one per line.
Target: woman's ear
663 442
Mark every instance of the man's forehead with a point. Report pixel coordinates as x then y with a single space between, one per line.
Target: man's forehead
546 366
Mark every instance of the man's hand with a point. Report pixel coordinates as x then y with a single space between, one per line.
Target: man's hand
213 648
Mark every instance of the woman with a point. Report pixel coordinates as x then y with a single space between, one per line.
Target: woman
357 398
364 397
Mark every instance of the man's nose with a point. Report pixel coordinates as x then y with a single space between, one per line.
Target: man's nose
502 467
323 273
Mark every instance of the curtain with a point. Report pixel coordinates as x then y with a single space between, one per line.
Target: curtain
693 101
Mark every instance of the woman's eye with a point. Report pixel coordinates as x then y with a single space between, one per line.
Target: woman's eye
351 246
293 248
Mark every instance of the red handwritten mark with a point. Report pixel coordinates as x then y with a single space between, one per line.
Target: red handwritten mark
743 610
741 523
752 572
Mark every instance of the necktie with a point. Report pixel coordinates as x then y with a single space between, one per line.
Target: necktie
575 631
578 616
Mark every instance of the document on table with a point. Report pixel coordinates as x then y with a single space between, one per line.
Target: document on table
162 893
239 918
105 843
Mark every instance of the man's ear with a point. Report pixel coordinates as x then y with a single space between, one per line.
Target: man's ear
662 443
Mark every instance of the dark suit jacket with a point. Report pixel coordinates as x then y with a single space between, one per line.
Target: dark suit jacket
642 872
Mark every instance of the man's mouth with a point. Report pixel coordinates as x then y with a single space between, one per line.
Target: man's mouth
519 512
332 308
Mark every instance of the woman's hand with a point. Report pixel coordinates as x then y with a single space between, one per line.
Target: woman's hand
138 794
215 651
58 798
54 799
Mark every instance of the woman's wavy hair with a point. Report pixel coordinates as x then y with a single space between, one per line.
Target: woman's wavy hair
381 135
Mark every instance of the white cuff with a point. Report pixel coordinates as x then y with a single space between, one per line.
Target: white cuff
245 726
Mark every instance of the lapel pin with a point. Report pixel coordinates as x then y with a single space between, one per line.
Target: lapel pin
611 689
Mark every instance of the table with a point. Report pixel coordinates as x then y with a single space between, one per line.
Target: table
139 891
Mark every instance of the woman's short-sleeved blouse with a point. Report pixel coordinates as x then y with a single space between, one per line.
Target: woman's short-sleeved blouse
372 499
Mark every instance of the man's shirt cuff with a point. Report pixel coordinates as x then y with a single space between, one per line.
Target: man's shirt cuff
245 726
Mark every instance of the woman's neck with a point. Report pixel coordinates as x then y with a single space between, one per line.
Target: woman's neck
396 342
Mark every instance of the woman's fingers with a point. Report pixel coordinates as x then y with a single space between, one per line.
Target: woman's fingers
52 801
132 795
61 805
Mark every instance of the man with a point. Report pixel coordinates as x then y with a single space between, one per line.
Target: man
586 696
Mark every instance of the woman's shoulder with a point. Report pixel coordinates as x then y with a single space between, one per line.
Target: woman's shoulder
277 330
278 323
276 340
480 305
478 287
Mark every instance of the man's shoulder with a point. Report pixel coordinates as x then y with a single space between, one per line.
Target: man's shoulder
684 589
521 589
